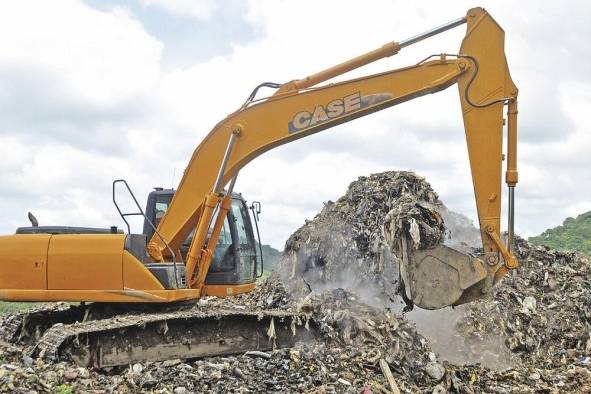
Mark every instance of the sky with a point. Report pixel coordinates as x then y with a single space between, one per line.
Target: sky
97 90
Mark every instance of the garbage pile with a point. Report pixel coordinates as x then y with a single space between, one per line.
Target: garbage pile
541 311
349 243
361 347
338 269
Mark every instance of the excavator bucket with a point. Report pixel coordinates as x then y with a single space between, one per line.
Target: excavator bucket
441 276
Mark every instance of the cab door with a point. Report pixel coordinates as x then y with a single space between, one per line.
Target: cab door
245 243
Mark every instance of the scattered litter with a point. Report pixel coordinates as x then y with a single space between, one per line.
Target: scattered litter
339 271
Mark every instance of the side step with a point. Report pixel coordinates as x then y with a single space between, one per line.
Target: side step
193 333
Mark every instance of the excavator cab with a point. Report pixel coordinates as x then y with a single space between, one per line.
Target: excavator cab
235 259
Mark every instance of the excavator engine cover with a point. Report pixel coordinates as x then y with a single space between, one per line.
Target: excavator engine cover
441 276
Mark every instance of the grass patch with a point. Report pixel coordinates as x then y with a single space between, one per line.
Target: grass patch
63 389
263 277
7 307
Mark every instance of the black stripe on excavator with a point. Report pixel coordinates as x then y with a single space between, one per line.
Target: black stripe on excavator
67 230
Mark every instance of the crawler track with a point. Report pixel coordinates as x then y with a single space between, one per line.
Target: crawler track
189 332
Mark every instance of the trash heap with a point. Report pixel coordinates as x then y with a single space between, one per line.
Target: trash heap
543 308
542 314
337 268
359 346
349 243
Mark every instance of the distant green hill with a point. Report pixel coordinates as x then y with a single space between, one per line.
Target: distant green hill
574 234
270 256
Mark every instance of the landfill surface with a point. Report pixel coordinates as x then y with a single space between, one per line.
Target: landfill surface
532 335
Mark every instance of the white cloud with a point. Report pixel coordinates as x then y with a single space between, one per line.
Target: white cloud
99 57
71 73
200 9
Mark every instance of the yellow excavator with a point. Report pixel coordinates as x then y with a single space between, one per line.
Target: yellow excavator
197 248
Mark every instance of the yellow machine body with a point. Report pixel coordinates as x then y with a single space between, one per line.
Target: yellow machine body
84 267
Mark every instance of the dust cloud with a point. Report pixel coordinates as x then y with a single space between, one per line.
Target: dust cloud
312 270
440 326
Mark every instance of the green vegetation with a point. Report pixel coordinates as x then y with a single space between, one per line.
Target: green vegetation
574 234
63 389
15 306
270 256
263 277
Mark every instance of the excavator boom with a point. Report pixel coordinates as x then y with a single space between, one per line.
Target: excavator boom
301 108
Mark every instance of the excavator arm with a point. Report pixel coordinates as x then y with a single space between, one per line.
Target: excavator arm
433 278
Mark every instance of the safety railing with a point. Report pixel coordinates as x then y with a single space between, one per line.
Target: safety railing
141 213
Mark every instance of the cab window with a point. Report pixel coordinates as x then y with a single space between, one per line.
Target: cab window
224 253
159 211
245 239
241 218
